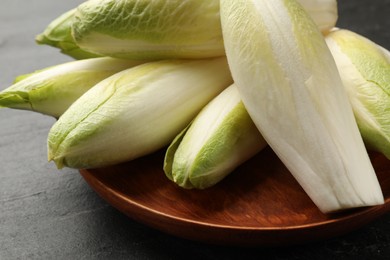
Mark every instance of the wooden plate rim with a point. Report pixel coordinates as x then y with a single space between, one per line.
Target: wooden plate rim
98 186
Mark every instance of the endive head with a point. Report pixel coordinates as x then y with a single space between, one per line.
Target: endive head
292 90
220 138
59 34
142 28
135 112
157 29
52 90
364 68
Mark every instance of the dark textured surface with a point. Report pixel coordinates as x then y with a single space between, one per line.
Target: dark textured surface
51 214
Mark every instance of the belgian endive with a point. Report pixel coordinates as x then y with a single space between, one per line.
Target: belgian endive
364 67
160 28
135 112
52 90
220 138
291 88
59 34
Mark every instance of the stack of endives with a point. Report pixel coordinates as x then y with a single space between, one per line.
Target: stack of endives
213 82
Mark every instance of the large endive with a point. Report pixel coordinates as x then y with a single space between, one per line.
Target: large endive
160 28
59 34
220 138
291 88
135 112
52 90
364 67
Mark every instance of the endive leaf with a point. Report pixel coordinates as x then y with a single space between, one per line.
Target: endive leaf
221 137
161 29
290 86
52 90
323 12
59 34
364 67
135 112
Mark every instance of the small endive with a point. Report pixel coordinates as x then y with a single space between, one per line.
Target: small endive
291 88
364 68
164 29
135 112
220 138
59 34
52 90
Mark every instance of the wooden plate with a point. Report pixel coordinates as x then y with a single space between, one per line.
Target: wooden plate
258 204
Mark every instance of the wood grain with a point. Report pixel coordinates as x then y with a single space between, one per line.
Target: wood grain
260 203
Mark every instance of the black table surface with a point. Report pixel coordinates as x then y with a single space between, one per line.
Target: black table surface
50 214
